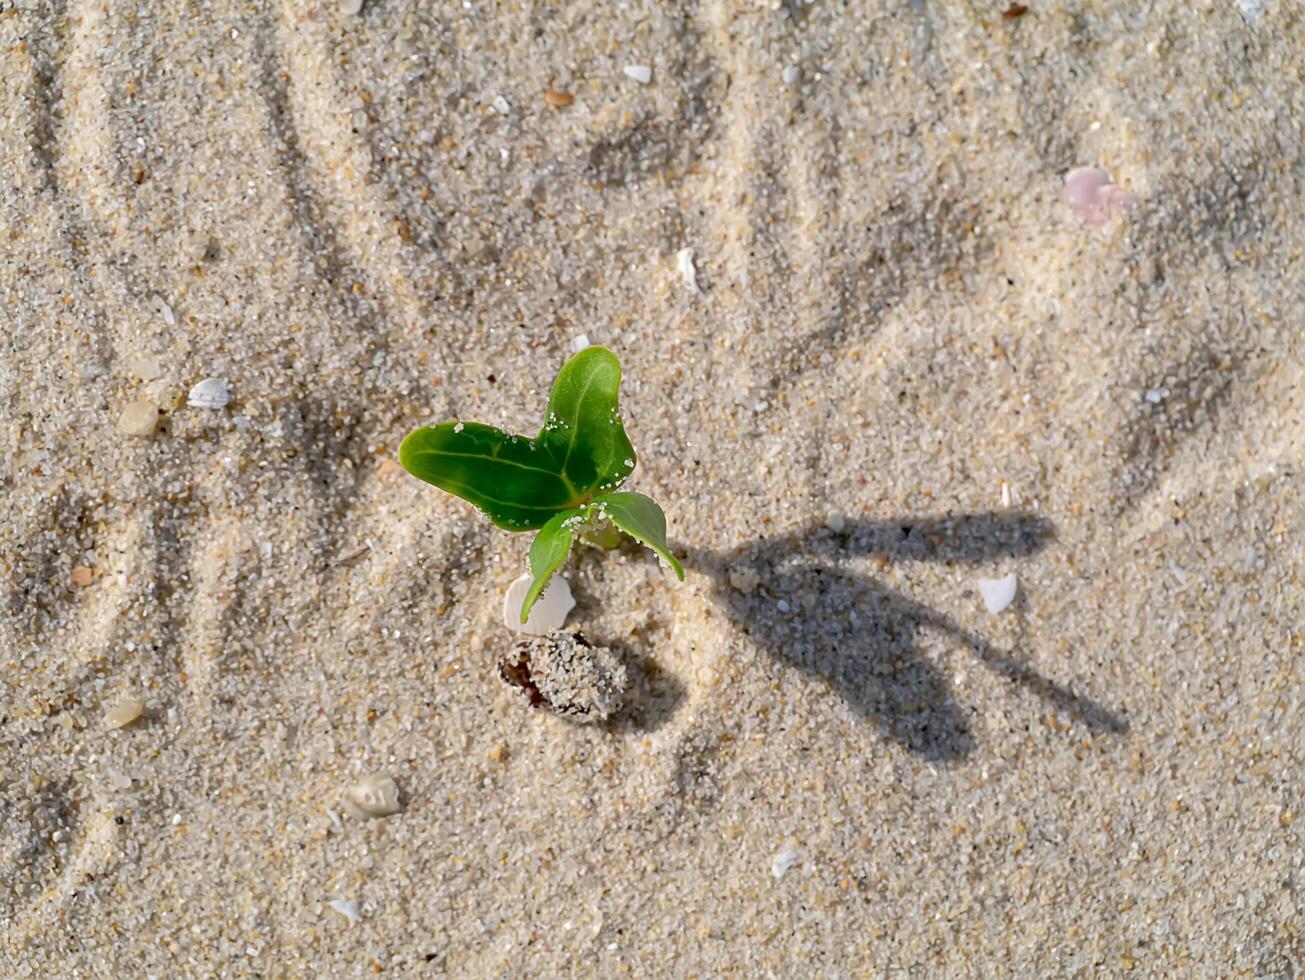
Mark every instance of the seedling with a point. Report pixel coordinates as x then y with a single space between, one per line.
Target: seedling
562 482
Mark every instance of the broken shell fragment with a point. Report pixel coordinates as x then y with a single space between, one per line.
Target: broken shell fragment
209 393
549 611
997 593
372 797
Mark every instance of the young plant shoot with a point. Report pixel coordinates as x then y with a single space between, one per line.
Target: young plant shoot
562 482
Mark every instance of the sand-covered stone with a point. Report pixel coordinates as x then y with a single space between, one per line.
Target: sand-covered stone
566 674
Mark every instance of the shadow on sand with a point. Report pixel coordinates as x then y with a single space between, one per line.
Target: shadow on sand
860 636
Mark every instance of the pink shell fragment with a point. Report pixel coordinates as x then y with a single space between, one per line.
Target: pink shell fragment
1091 195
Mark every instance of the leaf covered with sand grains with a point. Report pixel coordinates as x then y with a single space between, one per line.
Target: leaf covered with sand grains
641 518
521 482
561 482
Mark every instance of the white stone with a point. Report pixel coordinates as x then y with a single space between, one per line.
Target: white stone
579 342
351 7
835 522
791 74
138 418
209 393
640 73
997 593
547 614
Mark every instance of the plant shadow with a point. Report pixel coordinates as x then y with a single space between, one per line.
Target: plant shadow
862 637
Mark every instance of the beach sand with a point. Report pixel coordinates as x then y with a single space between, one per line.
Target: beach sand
907 366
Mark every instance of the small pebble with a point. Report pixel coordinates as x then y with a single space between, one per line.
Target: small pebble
579 342
558 100
82 576
639 73
835 522
209 393
743 579
351 8
123 712
372 797
139 418
501 105
498 753
791 74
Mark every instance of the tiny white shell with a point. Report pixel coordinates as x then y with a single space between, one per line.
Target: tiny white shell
998 593
547 614
783 861
209 393
347 907
684 262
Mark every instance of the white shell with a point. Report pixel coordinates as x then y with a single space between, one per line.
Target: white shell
781 862
547 614
372 796
998 593
209 393
640 73
347 907
684 262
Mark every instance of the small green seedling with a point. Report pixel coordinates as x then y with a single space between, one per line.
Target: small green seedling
563 481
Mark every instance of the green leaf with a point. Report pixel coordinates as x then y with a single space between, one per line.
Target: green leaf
582 450
548 551
583 428
641 518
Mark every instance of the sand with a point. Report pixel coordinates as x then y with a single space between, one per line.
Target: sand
907 366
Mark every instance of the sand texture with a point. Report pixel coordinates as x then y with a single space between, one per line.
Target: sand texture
904 366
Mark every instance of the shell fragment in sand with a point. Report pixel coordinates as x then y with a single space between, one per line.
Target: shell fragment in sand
547 614
684 262
347 907
372 797
210 393
997 593
783 861
639 73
